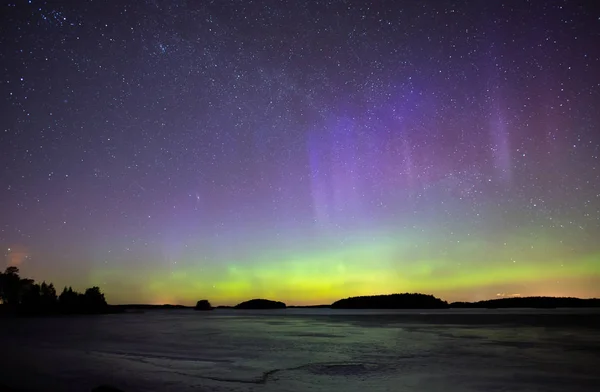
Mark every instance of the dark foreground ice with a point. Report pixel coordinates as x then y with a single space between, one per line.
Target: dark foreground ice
305 350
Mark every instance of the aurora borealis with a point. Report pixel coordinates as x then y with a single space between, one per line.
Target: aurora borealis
170 151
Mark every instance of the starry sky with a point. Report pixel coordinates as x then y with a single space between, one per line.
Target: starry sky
170 151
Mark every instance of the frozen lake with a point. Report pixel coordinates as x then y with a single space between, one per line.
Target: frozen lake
306 350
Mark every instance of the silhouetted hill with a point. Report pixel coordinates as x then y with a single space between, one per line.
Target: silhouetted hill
203 304
391 301
531 302
260 304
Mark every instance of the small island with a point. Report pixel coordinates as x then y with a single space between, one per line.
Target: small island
391 301
203 305
531 302
260 304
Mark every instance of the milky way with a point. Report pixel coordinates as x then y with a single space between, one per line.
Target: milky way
303 151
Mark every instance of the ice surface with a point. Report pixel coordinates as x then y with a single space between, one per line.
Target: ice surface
302 350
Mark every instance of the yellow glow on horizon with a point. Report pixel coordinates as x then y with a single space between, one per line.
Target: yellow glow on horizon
379 267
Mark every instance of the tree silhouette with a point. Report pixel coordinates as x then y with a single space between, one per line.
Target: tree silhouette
94 300
30 294
259 303
10 286
203 304
2 284
69 300
26 296
12 269
391 301
48 295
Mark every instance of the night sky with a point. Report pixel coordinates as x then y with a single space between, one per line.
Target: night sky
170 151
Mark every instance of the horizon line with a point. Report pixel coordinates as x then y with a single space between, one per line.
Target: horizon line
357 296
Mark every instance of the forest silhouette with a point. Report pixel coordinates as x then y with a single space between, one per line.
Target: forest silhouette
25 296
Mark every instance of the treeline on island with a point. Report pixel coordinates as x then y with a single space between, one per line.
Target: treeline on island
391 301
531 302
25 296
418 301
251 304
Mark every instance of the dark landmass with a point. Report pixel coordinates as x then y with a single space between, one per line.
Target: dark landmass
309 306
25 297
531 302
260 304
203 305
391 301
224 307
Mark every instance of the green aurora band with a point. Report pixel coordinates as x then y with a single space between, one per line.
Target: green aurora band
468 270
